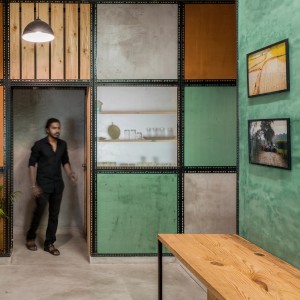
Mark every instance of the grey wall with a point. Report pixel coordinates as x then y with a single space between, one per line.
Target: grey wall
210 203
31 109
137 41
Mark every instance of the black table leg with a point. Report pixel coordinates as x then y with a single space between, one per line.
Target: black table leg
159 255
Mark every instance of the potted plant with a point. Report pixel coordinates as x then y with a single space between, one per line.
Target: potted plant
12 197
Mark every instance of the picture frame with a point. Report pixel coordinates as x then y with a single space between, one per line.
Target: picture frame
269 142
268 70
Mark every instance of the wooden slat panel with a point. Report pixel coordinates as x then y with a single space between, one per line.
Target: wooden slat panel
57 45
42 49
210 41
1 126
1 39
85 40
71 41
27 11
14 30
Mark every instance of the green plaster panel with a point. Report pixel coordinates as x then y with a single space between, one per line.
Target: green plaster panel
270 198
132 209
210 126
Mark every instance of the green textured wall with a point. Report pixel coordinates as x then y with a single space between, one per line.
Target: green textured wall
210 126
132 209
270 198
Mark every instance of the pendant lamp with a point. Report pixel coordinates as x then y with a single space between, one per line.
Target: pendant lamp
38 31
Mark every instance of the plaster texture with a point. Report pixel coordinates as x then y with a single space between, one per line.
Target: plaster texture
269 197
133 209
137 41
210 126
210 203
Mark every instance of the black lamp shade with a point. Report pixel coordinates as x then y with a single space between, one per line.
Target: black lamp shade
38 31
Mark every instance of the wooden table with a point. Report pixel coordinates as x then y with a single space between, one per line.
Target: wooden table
231 267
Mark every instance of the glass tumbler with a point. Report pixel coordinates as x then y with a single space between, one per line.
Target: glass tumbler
170 132
148 132
132 134
126 134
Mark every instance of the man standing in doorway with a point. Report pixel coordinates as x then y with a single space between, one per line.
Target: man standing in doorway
49 154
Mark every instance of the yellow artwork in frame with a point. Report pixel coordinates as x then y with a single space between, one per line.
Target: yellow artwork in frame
268 70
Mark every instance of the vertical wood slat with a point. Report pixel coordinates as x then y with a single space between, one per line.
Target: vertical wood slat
85 41
14 30
71 41
57 45
1 39
42 49
27 11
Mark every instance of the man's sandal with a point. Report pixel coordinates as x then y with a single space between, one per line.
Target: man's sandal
30 245
52 250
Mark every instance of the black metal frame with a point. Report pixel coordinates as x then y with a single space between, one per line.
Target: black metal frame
93 83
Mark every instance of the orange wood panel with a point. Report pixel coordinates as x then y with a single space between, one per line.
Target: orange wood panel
71 41
1 126
210 41
14 32
27 12
85 41
57 45
1 41
42 49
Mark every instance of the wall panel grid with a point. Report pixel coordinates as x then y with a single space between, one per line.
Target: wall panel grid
67 57
100 47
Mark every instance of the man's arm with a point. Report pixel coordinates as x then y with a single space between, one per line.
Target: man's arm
72 176
36 190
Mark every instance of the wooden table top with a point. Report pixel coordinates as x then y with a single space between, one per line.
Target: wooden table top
233 268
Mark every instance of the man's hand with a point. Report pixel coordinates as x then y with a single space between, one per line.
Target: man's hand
73 177
36 190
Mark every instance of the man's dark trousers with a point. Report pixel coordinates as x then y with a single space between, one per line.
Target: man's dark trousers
54 200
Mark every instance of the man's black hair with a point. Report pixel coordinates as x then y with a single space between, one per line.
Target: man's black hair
50 121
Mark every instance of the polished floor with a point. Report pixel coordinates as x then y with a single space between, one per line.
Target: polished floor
41 276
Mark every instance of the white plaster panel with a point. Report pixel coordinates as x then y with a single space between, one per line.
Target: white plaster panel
31 109
138 98
137 41
210 203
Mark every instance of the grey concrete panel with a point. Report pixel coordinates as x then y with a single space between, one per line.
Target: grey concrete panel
137 41
31 109
210 203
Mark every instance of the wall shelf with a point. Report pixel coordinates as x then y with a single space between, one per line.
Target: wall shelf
137 141
138 112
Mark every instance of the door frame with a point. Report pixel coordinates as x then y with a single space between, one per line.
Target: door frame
9 159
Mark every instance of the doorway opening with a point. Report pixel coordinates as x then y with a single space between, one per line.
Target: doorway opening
31 109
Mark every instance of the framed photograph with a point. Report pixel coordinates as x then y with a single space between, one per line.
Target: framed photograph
268 70
269 142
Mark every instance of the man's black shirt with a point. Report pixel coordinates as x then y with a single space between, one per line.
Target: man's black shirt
49 176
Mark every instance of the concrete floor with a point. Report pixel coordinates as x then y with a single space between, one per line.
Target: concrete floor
40 276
